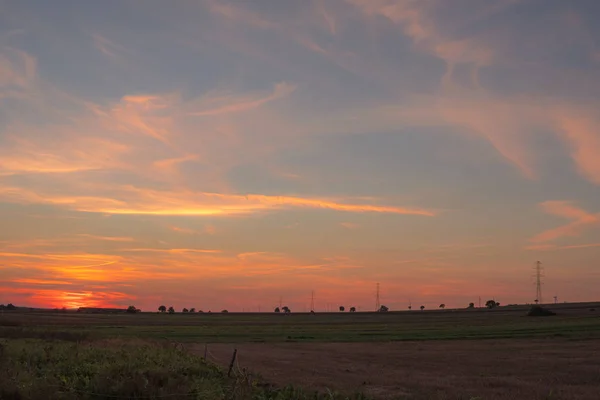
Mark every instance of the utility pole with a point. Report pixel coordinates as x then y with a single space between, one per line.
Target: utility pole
312 301
377 299
538 282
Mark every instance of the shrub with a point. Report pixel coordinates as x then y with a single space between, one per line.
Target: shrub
539 311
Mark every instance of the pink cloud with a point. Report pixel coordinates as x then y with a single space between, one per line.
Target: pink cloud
582 221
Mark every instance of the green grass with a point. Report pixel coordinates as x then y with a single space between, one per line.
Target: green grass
46 355
128 369
235 328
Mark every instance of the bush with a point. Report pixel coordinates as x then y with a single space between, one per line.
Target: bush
539 311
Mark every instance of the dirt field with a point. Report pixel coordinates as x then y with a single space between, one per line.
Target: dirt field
487 369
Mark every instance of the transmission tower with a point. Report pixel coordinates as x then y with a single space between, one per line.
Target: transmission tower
377 301
312 301
538 282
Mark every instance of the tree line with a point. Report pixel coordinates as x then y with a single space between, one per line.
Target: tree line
286 310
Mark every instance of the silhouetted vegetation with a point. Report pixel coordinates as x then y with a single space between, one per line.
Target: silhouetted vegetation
133 310
286 310
277 310
539 311
171 310
471 305
185 310
442 306
162 309
192 310
383 309
422 308
492 304
8 307
352 309
342 309
224 311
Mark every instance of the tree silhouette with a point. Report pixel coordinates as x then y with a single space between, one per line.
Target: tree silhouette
342 308
471 305
224 311
422 308
277 310
131 309
491 304
352 309
162 309
383 309
11 306
171 310
185 310
286 310
410 307
192 310
442 306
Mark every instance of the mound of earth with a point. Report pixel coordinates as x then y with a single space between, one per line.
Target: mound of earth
539 311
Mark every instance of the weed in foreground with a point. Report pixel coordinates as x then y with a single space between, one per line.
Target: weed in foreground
124 369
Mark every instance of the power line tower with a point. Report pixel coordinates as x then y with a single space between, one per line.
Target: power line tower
377 301
538 282
312 301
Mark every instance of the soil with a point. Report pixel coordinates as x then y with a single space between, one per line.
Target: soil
461 369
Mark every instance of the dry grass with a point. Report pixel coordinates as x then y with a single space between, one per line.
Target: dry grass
491 370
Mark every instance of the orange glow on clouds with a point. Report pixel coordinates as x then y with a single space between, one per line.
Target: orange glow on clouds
245 153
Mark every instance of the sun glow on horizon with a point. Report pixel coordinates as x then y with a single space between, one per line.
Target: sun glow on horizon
244 153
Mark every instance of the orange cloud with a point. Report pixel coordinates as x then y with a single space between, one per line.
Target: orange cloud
84 267
549 247
56 298
150 202
183 230
582 132
41 282
108 238
582 221
20 155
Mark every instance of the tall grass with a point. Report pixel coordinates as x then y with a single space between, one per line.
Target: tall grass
122 369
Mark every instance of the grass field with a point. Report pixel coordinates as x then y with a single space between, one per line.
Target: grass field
326 327
453 354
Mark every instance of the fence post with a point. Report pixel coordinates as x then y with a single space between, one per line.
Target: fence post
232 361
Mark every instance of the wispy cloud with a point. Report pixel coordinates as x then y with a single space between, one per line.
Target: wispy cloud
107 47
582 221
131 200
108 238
219 105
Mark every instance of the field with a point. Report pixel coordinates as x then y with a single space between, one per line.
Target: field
445 354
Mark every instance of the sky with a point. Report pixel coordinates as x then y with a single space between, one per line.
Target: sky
223 154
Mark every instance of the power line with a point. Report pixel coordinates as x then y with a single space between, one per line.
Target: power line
538 282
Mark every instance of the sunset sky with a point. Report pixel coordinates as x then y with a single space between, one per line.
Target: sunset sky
223 154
